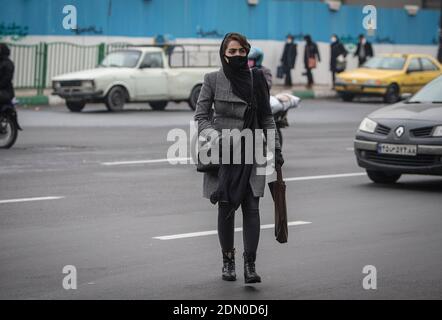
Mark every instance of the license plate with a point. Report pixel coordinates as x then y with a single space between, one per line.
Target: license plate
399 149
353 87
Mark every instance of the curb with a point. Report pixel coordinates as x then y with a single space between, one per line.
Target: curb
55 100
310 94
33 100
40 100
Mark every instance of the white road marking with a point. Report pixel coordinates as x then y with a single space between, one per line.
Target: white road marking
330 176
119 163
29 199
212 232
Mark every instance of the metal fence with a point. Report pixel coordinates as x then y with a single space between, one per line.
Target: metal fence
35 65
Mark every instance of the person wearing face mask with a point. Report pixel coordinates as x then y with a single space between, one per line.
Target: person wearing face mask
288 59
337 57
256 56
364 51
239 102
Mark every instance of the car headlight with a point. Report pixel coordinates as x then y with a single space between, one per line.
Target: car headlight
368 125
56 84
87 84
437 131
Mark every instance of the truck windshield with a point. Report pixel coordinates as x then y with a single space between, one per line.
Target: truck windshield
122 59
386 63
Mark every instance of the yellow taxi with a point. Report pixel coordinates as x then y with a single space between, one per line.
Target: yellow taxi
389 76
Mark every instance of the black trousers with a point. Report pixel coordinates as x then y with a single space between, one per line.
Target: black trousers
251 224
288 76
308 73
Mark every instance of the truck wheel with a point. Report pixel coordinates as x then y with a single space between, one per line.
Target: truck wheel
158 105
383 177
392 94
347 97
115 99
75 106
194 96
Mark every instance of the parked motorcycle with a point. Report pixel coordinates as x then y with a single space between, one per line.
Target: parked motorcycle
281 104
8 125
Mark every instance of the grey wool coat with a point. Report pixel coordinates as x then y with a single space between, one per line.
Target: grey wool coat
228 114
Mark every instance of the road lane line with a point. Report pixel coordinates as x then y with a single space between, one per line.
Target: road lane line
119 163
212 232
29 199
329 176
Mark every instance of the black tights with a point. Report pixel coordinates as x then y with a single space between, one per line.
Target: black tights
251 224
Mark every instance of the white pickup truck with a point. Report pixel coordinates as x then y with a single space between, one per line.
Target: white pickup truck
142 74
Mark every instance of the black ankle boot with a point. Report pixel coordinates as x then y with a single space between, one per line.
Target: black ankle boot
250 275
229 265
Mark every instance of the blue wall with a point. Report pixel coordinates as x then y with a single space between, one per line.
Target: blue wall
271 19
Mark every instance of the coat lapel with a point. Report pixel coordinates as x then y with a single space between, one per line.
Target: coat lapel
224 90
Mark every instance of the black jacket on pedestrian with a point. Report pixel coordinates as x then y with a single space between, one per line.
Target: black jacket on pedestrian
6 75
368 52
336 49
289 54
311 51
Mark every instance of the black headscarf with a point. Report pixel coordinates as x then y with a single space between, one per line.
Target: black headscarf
240 79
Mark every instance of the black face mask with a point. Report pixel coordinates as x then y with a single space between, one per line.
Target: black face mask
238 62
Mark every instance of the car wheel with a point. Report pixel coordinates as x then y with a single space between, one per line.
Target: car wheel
115 99
75 106
194 96
383 177
347 97
392 94
158 105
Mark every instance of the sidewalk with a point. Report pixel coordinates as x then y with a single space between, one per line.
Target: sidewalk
300 90
30 96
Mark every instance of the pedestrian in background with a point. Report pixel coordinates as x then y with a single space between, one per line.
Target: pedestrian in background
288 59
364 51
256 56
311 59
337 57
232 91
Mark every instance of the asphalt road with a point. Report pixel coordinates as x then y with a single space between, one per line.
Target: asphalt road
105 217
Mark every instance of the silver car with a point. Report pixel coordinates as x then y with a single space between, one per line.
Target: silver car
404 138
